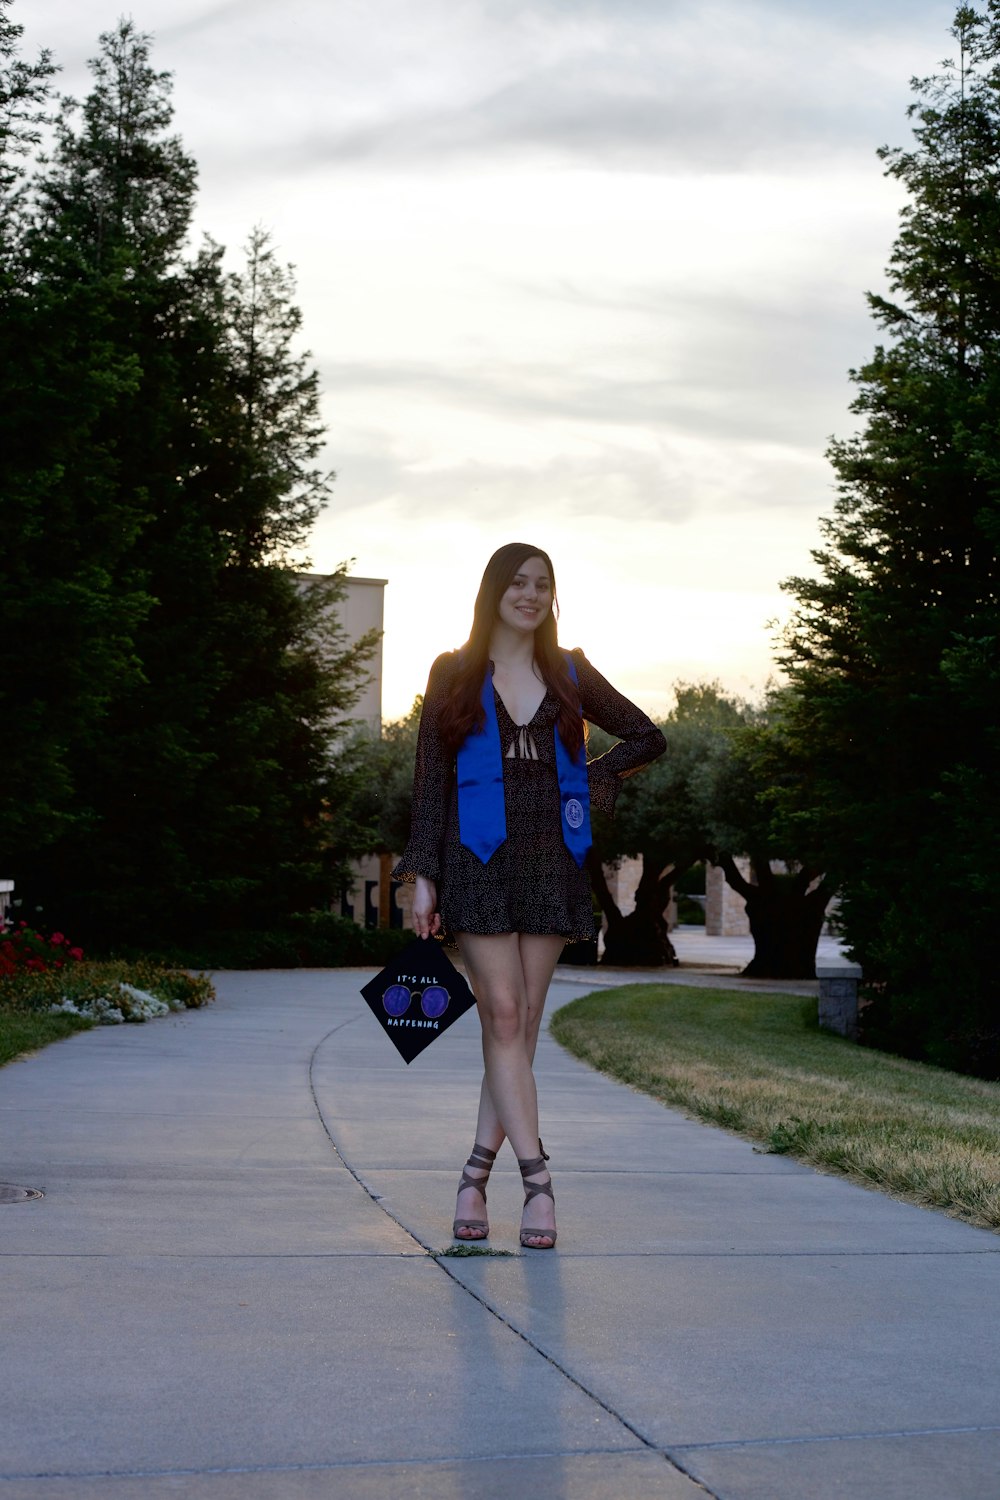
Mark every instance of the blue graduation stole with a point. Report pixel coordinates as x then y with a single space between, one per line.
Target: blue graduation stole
482 817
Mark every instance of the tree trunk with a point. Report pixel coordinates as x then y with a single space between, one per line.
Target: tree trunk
639 940
385 890
786 914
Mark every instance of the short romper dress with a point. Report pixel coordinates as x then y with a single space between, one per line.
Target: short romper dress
531 883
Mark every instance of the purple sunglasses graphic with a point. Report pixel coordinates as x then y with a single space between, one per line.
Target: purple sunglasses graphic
433 1000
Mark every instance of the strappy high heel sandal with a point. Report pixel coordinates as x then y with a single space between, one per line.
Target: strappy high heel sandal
529 1168
481 1157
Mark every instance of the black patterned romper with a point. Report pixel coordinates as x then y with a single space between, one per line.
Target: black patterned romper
531 883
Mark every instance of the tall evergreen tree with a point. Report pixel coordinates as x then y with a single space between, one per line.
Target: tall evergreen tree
894 650
276 488
128 357
25 92
65 621
288 676
193 791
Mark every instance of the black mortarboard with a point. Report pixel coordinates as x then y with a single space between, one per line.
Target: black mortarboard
417 996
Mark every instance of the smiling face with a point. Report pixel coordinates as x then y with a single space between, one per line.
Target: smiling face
528 598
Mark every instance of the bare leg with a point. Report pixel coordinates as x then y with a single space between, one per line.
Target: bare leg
539 956
510 975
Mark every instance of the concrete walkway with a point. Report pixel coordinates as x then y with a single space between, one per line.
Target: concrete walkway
226 1291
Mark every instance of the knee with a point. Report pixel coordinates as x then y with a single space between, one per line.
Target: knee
503 1018
534 1011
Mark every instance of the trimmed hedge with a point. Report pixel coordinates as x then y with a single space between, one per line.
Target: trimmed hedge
311 940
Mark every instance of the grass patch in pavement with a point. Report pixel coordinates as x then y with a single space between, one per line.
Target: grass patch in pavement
21 1031
759 1065
460 1252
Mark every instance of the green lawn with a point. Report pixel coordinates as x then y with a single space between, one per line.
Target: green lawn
759 1065
21 1032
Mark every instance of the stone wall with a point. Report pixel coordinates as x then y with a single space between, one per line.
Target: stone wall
622 883
725 911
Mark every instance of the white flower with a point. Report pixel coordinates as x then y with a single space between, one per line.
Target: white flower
137 994
127 1004
139 1005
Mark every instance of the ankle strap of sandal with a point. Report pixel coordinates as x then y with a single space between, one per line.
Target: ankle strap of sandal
529 1166
481 1157
535 1189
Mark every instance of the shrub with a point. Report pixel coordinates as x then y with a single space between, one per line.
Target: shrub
322 940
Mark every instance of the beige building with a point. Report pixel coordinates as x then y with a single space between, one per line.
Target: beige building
372 899
361 610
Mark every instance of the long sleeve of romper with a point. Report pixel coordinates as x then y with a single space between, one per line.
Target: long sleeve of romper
639 740
432 778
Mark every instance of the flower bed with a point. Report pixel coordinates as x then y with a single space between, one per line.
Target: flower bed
107 992
48 990
46 975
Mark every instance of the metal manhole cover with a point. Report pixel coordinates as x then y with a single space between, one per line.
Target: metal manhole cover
9 1193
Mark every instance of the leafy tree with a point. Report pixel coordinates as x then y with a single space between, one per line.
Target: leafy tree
716 795
737 792
894 650
659 820
375 773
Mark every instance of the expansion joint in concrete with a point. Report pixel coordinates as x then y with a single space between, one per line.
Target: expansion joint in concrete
809 1439
494 1312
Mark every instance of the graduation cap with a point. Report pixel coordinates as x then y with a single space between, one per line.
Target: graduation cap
417 997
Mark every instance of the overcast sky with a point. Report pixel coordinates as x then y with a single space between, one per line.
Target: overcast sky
587 273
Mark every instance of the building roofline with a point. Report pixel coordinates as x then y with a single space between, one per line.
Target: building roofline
349 578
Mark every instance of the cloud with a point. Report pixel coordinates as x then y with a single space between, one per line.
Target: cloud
621 87
725 367
196 18
587 268
613 480
673 479
618 85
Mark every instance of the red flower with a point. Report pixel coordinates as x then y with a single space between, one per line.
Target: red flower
76 953
57 938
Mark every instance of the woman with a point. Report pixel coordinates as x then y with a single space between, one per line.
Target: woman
501 828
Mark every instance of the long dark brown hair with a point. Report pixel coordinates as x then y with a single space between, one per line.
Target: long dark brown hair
463 712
